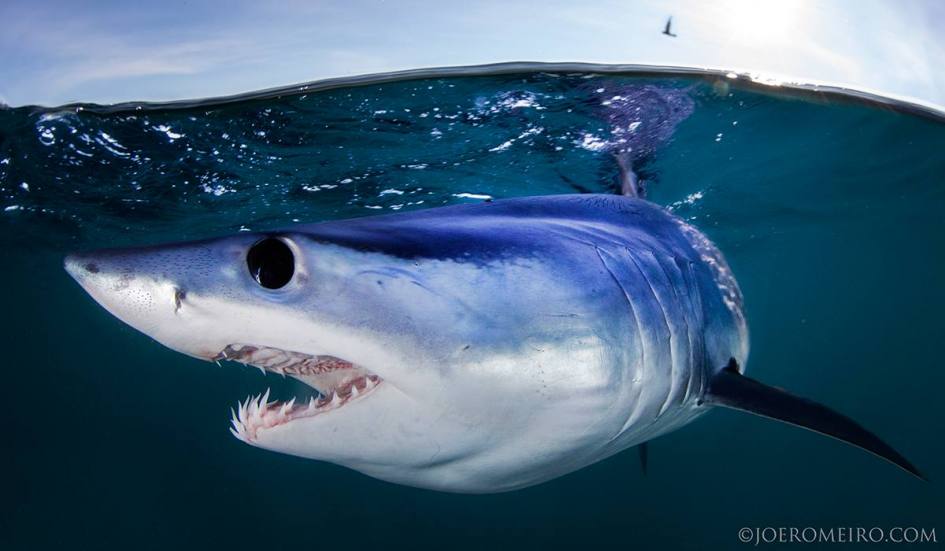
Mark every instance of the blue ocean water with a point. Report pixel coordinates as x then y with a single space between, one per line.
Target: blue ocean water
829 209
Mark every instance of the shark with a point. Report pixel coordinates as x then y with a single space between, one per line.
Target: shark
473 348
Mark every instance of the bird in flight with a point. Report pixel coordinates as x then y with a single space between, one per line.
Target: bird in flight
667 31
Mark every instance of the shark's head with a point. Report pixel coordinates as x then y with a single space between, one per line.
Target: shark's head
429 367
326 315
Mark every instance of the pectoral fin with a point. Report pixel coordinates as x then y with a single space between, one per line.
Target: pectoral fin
731 389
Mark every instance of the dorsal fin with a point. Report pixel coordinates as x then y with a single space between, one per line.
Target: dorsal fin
630 184
731 389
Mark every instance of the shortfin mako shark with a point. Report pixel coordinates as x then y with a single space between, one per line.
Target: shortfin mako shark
471 348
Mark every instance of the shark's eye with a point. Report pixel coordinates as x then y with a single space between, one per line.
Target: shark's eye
271 263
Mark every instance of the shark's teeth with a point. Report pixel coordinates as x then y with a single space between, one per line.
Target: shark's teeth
257 412
282 361
286 407
264 400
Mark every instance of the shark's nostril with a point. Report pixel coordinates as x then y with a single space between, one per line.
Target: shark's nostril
179 296
91 267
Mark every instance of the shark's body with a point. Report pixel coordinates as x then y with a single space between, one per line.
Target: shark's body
476 348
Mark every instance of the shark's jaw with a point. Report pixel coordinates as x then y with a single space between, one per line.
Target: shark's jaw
337 381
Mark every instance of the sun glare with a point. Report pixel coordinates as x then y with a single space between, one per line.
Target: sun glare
759 21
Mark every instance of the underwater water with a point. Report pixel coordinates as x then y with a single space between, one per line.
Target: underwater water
830 210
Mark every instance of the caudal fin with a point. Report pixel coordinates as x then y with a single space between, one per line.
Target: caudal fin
731 389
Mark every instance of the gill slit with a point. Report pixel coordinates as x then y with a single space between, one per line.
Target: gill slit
669 330
636 320
683 312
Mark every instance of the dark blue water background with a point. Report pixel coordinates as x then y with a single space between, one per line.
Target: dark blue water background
830 210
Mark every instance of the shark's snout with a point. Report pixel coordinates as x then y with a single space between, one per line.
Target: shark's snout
108 279
131 286
78 265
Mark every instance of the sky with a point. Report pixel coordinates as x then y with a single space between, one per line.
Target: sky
55 52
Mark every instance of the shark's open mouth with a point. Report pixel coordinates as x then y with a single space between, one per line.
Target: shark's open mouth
337 382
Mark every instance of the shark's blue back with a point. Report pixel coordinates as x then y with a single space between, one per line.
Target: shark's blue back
666 266
480 232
